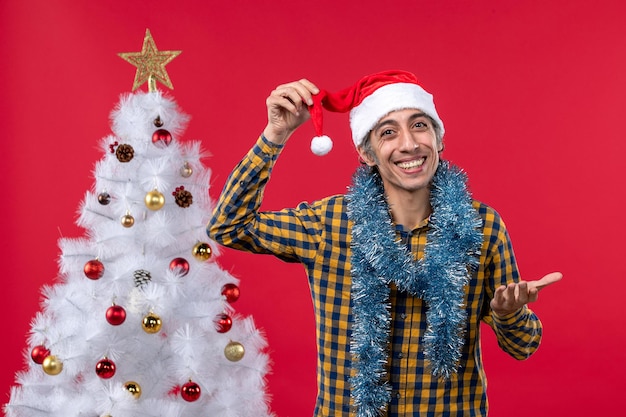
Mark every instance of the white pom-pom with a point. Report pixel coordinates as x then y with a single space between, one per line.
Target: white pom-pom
321 145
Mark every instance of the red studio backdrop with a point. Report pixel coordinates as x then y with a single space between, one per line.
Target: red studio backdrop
532 94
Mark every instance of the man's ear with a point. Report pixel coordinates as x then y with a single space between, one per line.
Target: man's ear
365 157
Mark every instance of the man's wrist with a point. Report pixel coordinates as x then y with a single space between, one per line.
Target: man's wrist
271 143
275 138
507 318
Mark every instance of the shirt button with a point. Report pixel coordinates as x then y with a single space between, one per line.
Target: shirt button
403 316
400 355
398 395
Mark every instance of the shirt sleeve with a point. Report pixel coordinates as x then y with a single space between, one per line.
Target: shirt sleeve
519 334
290 234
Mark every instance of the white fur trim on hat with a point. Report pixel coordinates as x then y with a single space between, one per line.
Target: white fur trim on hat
386 99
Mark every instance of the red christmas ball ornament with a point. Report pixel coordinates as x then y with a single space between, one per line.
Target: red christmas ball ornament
105 368
190 391
180 266
230 291
39 353
94 269
116 315
223 323
161 138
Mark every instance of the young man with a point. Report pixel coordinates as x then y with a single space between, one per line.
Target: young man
402 268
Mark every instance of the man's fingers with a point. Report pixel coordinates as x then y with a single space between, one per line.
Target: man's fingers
499 294
279 101
298 92
310 86
287 97
287 108
512 297
546 280
510 291
505 293
505 299
522 292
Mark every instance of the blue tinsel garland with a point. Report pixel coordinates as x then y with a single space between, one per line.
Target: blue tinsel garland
379 258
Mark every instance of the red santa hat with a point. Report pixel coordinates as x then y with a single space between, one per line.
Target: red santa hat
370 99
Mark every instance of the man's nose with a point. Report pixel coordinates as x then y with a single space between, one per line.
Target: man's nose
407 141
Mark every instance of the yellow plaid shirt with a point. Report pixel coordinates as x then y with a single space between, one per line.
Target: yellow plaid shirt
318 235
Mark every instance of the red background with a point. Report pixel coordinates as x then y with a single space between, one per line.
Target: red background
532 94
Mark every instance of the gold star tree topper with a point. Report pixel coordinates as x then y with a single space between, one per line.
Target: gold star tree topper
150 63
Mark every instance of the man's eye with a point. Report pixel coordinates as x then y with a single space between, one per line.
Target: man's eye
420 125
386 132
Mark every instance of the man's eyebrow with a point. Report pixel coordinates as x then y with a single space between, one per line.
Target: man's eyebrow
418 115
386 121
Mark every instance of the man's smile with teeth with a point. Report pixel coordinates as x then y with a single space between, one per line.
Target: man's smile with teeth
411 164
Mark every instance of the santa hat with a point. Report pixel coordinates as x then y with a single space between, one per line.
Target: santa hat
370 99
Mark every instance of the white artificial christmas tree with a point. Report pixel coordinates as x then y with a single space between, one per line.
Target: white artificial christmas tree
141 322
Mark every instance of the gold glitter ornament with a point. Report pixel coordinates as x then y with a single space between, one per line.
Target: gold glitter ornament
128 220
150 63
151 323
154 200
202 251
52 365
133 388
234 351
